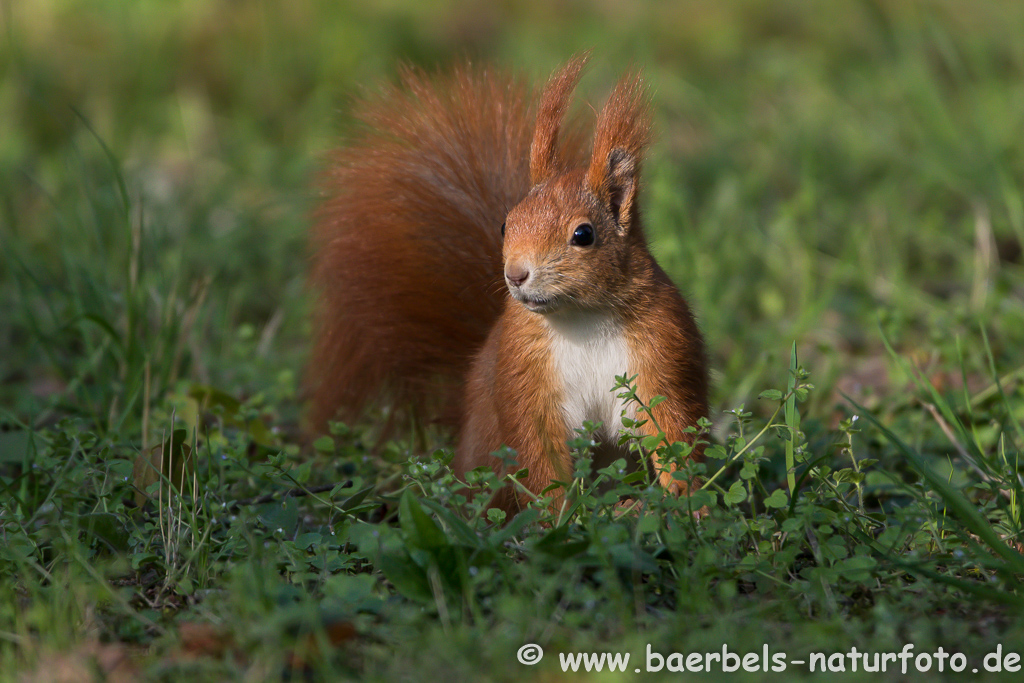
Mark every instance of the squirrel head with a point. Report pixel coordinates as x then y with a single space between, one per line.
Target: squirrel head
570 243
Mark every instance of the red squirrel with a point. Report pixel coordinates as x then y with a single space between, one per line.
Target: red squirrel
473 258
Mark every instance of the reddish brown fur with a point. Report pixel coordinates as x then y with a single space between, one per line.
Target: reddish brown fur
624 124
407 246
409 259
554 103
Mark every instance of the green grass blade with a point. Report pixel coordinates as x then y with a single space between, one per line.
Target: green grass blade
961 507
793 422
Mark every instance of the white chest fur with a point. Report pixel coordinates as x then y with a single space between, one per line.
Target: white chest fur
589 350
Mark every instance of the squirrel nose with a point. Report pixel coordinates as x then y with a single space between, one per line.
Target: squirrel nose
517 275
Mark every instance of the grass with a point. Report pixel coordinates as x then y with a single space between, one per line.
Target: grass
838 193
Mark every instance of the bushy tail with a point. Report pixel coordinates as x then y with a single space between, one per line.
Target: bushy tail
407 244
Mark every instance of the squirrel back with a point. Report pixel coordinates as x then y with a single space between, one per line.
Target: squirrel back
407 243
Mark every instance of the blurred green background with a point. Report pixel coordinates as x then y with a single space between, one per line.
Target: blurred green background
819 169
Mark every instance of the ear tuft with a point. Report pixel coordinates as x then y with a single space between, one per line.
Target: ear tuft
544 153
621 135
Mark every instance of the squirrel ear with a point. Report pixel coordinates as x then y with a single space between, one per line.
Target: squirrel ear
619 187
621 135
554 101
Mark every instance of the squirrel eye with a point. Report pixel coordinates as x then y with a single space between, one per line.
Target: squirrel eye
583 236
502 229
